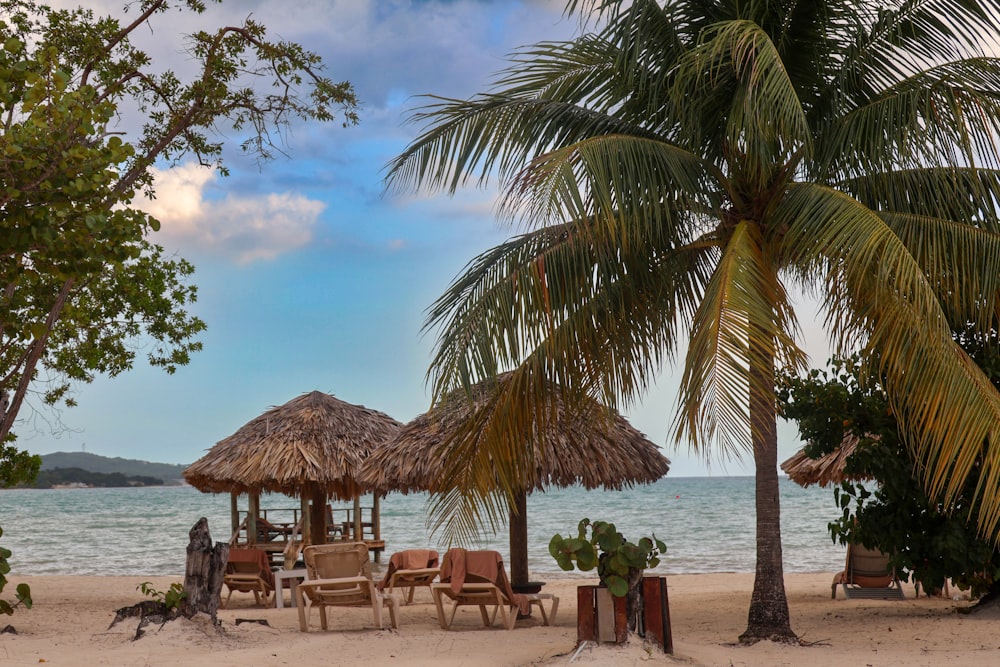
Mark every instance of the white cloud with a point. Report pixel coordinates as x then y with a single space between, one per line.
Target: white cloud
243 229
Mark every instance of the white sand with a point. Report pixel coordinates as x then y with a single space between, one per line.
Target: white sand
69 626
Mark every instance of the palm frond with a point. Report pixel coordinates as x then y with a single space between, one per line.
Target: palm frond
744 309
881 45
634 185
940 247
944 116
737 90
574 298
965 194
879 295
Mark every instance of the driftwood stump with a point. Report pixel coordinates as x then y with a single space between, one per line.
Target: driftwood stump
205 570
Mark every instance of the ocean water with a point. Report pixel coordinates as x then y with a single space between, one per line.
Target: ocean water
707 524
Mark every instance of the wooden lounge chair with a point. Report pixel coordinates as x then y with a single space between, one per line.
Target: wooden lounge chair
248 571
409 569
269 532
340 576
867 575
478 578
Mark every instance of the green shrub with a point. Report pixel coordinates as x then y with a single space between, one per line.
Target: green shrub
22 592
617 560
171 598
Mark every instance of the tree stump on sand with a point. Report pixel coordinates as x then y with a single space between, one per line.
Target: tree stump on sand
203 577
204 573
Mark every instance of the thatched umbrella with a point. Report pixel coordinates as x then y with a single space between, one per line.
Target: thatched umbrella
594 447
312 447
827 469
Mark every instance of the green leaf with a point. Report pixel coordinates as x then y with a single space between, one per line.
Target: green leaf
617 586
24 595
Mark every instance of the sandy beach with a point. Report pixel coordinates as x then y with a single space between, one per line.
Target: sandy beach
69 626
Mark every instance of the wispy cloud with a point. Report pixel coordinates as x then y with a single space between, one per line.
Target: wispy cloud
241 228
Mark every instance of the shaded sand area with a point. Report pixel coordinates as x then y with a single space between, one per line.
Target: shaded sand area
69 626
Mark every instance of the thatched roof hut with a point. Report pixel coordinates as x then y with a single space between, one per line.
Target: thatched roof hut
594 447
827 469
312 447
594 452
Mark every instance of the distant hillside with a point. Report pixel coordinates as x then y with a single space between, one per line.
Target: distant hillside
168 472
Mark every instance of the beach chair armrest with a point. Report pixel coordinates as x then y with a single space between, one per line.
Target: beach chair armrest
315 583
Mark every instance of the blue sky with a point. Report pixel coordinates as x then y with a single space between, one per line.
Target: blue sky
311 277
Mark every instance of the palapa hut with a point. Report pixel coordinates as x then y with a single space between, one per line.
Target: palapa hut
311 447
827 469
594 447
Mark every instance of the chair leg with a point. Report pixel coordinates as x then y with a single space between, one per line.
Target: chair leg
553 611
507 617
393 603
322 617
300 603
541 609
226 603
487 619
436 595
377 611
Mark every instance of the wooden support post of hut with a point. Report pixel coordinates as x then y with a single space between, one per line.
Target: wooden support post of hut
253 511
306 529
317 518
357 530
234 514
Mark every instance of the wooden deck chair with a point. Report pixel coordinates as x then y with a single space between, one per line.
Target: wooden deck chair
478 578
409 569
249 571
340 576
269 532
867 574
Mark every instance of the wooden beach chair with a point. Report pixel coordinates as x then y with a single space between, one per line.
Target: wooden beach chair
867 574
478 578
409 569
340 576
248 571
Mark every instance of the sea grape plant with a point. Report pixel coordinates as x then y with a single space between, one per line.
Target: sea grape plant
618 561
171 598
22 592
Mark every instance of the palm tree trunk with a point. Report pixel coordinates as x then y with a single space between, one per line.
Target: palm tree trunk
768 617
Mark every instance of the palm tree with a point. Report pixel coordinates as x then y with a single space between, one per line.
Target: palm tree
678 169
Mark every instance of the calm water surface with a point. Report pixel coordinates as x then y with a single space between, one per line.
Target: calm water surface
706 522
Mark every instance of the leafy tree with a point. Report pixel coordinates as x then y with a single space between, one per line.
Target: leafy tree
85 114
677 168
17 467
929 542
47 479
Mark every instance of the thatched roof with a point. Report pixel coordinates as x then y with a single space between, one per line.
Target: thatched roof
595 447
312 443
823 471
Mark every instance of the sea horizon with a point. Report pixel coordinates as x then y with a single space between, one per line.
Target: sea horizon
707 523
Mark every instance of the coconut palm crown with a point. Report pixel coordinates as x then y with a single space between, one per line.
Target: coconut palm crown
677 169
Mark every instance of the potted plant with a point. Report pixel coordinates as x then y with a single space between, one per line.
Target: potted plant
620 564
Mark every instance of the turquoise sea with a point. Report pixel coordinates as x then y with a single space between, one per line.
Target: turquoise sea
706 522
